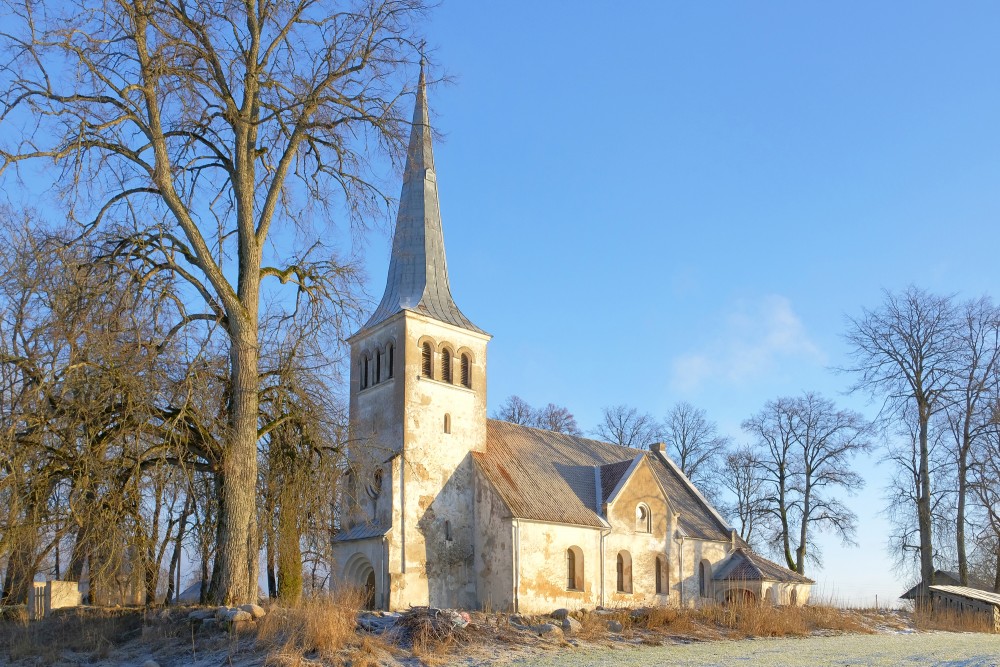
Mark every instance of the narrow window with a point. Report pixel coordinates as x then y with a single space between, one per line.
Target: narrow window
574 569
364 371
426 369
389 353
446 366
704 576
624 572
466 372
378 366
447 423
662 576
447 531
642 524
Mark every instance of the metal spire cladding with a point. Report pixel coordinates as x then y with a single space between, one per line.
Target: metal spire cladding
418 272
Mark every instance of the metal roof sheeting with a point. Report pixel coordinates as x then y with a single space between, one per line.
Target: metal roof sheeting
972 593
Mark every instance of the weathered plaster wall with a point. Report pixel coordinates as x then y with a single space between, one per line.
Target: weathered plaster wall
437 558
693 553
540 559
494 556
642 547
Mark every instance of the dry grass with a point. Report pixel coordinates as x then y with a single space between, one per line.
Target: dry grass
322 626
952 620
751 620
93 632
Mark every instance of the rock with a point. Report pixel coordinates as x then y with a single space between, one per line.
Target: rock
614 626
201 614
238 616
516 619
548 631
254 610
209 624
571 626
150 663
221 613
560 614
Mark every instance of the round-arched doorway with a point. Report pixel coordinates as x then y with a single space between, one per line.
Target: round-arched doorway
358 572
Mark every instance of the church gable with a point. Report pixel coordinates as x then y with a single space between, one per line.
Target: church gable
639 504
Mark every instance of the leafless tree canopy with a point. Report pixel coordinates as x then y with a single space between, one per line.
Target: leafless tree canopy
552 417
626 426
803 447
182 133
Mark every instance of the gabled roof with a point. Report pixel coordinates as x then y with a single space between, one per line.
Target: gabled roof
362 531
745 565
612 476
946 578
548 476
418 271
972 593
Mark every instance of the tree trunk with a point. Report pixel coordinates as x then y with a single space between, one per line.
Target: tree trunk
234 577
963 473
924 502
289 549
173 584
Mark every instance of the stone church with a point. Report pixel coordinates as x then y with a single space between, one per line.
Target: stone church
445 507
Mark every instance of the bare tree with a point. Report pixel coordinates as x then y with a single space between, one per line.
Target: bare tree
695 445
985 482
627 427
805 447
552 417
970 413
201 126
904 353
516 411
557 418
742 478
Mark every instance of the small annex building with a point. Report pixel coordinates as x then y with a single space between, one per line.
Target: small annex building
965 600
918 592
445 507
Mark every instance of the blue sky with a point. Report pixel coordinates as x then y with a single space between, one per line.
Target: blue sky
649 202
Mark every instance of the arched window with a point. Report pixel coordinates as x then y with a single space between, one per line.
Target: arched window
389 352
793 597
662 576
466 371
642 523
574 569
378 366
426 366
624 572
447 531
705 579
446 365
364 371
447 423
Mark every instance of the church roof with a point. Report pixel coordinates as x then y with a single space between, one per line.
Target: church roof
745 565
548 476
418 272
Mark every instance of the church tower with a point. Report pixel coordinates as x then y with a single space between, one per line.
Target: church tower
418 410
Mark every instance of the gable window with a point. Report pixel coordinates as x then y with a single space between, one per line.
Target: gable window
642 519
364 371
447 423
426 366
378 366
389 354
446 365
624 572
466 371
447 531
574 569
662 576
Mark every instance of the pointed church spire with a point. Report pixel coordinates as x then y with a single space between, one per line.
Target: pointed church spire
418 272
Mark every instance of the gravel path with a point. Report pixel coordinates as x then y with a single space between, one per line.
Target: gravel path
909 650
